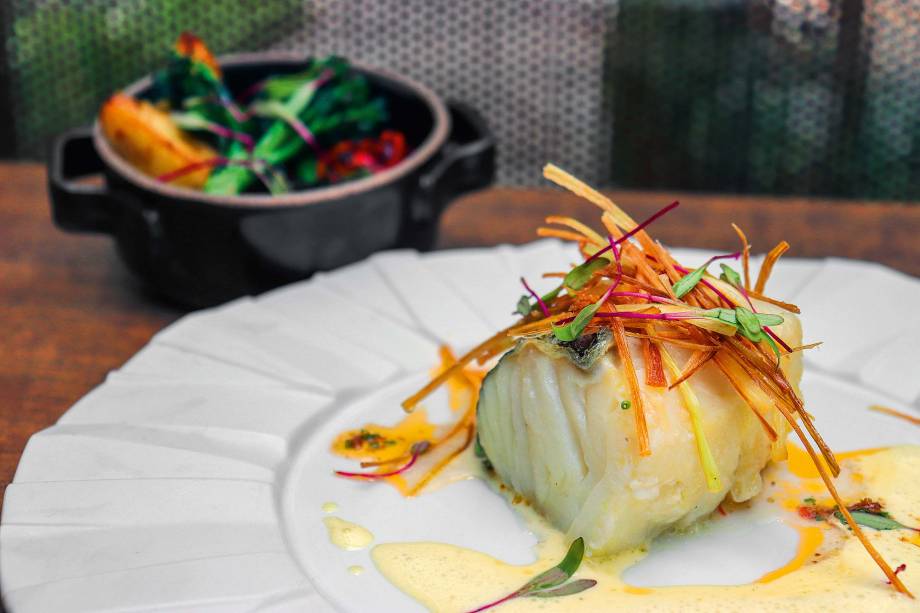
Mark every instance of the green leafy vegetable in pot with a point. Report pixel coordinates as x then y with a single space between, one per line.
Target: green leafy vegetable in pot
288 132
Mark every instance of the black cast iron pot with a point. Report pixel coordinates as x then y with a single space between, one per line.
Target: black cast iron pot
200 249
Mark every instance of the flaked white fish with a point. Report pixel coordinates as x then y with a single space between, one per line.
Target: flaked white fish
551 423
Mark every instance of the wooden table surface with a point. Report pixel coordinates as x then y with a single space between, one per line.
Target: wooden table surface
71 312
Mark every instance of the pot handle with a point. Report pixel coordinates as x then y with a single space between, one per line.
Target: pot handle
78 206
466 163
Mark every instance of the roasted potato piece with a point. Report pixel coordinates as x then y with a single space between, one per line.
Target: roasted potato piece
149 139
193 47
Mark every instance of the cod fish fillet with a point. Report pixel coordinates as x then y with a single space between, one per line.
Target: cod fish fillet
551 424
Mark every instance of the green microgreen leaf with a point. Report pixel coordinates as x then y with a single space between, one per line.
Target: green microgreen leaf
573 329
525 306
558 574
549 584
575 587
769 319
748 323
723 315
730 275
582 273
551 295
872 520
690 280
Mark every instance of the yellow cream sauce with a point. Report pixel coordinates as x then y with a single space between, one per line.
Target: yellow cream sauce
830 571
385 449
387 442
347 535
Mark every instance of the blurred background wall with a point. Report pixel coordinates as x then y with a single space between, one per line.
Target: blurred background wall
818 97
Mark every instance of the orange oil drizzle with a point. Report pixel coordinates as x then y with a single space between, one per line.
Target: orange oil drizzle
810 539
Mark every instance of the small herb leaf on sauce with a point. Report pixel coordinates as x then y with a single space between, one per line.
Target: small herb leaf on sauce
566 590
560 573
867 512
552 583
871 520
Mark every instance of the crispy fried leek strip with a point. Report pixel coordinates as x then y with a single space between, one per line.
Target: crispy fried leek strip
579 227
633 381
489 344
582 189
842 507
617 215
710 469
563 234
805 347
783 305
654 372
774 381
819 465
696 362
745 257
676 341
664 258
895 413
470 430
646 274
465 425
767 267
734 378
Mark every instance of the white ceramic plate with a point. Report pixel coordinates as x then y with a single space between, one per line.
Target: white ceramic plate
193 478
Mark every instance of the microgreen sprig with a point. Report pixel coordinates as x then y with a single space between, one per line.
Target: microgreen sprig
731 276
573 329
525 306
866 512
749 324
581 274
875 521
690 280
552 583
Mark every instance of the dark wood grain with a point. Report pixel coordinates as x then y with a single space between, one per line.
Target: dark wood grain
71 312
882 232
